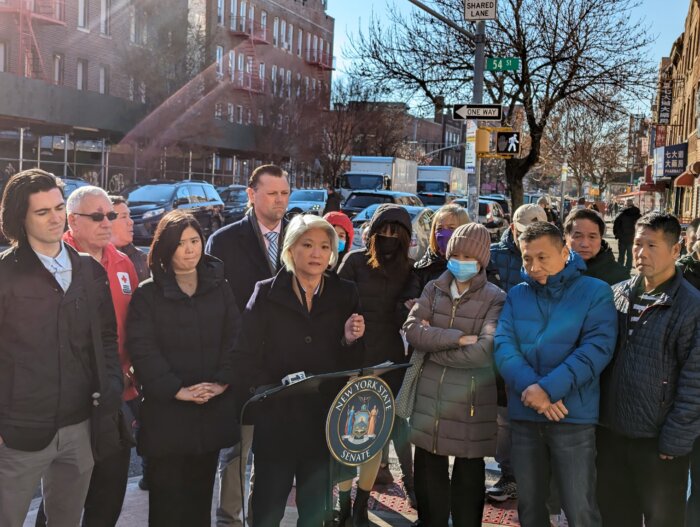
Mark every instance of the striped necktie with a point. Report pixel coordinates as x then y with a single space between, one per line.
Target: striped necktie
272 248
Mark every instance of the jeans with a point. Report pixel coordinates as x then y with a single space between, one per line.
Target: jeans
636 486
568 452
462 495
692 511
624 257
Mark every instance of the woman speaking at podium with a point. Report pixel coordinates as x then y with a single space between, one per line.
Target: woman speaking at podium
302 320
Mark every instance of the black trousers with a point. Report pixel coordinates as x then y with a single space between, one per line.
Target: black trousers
181 489
275 470
463 496
635 486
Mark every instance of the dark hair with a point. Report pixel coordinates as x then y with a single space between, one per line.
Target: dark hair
118 200
581 201
664 222
404 236
540 229
167 238
15 200
584 214
694 225
265 170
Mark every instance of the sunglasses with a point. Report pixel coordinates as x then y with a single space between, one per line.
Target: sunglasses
99 216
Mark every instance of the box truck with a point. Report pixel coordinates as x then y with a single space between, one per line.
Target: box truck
379 173
442 179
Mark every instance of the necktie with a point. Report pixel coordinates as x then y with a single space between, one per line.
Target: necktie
272 248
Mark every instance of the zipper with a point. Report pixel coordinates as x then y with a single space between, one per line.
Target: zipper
454 311
437 419
473 397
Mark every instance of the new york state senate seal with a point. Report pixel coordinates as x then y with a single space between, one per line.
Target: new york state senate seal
360 420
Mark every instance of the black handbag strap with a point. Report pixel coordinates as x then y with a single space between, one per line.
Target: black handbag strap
97 350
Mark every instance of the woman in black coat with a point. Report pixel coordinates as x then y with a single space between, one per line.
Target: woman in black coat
181 329
303 320
385 279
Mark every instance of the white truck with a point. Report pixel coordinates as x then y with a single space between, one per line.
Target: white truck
379 173
442 179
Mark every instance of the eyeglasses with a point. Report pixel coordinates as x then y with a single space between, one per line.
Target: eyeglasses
99 216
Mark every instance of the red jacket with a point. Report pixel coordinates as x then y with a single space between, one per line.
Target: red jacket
123 281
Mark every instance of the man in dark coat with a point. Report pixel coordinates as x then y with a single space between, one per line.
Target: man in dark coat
650 395
123 237
584 230
250 249
623 230
47 378
332 201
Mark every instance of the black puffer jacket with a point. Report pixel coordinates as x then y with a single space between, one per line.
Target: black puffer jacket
651 389
624 224
175 341
691 270
604 267
429 267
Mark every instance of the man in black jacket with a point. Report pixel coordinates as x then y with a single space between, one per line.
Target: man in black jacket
623 230
47 379
650 392
250 250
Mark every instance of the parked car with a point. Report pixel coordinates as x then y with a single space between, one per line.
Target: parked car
491 216
235 198
421 220
71 185
360 199
503 201
302 201
437 198
148 203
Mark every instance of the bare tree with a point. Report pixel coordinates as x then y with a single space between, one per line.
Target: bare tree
574 51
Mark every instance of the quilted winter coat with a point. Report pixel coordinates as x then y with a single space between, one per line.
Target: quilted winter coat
455 406
506 262
560 335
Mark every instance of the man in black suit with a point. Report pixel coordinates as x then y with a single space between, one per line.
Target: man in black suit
250 250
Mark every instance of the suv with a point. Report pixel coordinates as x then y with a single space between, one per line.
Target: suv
361 199
235 198
502 200
148 203
437 198
491 216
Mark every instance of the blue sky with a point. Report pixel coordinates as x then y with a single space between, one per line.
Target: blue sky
665 18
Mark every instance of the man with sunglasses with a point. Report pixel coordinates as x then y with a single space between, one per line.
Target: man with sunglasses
90 217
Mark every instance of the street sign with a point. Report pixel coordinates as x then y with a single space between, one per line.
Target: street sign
564 172
480 10
508 143
487 112
502 64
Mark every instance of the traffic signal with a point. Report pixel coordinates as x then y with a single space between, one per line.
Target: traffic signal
508 143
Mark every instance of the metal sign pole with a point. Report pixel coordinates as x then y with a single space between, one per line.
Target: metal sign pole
474 181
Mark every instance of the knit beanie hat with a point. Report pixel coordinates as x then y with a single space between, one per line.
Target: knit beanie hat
342 221
473 240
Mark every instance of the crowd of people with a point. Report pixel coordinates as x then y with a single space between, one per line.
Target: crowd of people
541 350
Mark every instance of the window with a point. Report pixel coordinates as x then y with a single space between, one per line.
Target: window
261 118
261 75
300 42
105 16
3 56
275 32
138 25
263 25
81 81
239 114
298 91
230 113
283 34
249 117
219 61
142 92
220 12
82 13
132 84
290 37
241 59
183 193
306 87
218 110
242 16
104 80
58 68
281 93
251 19
289 83
233 11
231 63
273 77
308 46
314 55
320 50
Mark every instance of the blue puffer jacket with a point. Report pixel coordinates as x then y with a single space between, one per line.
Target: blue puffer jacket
652 386
506 262
561 336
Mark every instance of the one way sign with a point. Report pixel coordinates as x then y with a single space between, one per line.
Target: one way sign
487 112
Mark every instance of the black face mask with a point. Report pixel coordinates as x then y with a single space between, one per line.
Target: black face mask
386 245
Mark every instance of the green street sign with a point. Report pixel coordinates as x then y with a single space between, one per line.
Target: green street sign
502 64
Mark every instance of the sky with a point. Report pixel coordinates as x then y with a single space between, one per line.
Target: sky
665 18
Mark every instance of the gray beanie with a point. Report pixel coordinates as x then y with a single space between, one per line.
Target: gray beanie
473 240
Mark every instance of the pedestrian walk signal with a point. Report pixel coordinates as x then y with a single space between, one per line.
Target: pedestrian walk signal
508 143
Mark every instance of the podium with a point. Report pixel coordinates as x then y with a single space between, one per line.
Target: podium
314 384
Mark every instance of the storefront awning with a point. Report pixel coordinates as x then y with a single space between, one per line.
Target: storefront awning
686 179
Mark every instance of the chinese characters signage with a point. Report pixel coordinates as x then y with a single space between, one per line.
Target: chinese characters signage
665 101
670 161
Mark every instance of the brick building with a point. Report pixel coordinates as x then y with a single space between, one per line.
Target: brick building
121 91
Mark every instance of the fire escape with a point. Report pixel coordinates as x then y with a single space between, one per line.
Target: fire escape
29 15
245 73
322 61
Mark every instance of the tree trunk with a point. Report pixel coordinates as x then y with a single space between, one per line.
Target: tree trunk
515 172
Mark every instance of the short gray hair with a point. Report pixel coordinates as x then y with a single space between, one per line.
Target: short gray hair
297 228
78 195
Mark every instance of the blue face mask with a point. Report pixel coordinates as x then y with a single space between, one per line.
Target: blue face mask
341 246
462 271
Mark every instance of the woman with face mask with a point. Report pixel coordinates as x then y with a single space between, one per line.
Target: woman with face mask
385 279
454 414
343 228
